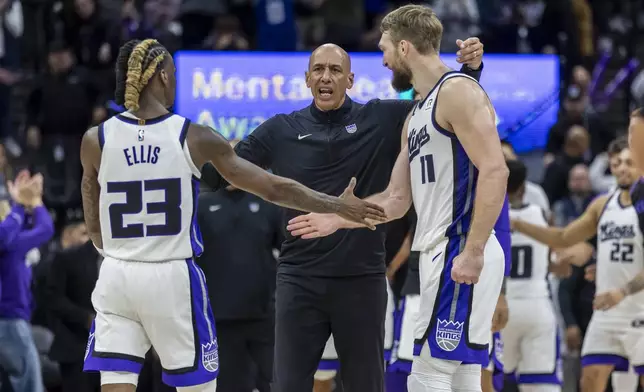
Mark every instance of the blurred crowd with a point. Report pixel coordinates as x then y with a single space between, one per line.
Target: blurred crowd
56 80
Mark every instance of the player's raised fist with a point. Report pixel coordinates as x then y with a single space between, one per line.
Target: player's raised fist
467 267
360 211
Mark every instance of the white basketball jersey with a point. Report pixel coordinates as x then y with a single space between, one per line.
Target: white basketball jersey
528 276
149 188
620 256
443 178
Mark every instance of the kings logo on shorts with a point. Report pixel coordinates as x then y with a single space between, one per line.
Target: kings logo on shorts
448 334
210 356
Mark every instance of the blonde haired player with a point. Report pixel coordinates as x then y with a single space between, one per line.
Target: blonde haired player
452 166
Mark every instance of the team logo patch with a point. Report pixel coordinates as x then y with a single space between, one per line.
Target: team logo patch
351 128
448 334
253 207
210 356
90 340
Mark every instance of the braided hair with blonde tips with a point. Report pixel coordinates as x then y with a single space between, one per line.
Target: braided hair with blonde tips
137 63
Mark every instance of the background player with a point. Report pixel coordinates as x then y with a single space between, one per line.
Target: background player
530 339
150 291
614 336
458 136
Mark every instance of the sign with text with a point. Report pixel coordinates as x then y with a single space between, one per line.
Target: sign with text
234 92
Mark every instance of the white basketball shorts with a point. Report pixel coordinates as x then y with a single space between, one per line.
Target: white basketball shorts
456 319
617 342
405 351
531 342
164 305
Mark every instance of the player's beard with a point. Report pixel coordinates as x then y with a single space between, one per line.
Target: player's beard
401 78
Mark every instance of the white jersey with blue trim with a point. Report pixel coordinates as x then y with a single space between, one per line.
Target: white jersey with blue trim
529 272
443 178
149 185
620 257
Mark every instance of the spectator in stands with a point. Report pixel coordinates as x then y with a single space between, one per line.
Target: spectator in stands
575 148
156 21
69 286
18 355
11 28
576 110
94 35
599 173
534 193
580 195
60 108
241 231
5 173
226 34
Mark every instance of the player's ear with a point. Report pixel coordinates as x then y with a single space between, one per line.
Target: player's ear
164 77
307 77
350 80
403 47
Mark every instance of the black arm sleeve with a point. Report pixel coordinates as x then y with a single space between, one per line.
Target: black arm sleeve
476 74
256 148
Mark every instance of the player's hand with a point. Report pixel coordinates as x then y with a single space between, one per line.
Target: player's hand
590 272
313 225
573 338
360 211
501 314
609 299
467 267
470 53
36 186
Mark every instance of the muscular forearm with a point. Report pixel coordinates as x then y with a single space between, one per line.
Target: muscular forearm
291 194
551 236
635 286
90 191
490 196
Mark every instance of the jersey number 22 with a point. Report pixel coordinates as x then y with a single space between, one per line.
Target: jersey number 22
134 190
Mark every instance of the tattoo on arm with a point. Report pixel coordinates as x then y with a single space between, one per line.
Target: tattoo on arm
90 190
636 285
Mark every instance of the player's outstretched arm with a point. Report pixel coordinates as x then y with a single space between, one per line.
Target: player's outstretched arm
207 145
467 109
581 229
90 155
395 200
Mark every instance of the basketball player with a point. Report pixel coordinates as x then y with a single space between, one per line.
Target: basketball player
530 341
452 165
140 178
615 335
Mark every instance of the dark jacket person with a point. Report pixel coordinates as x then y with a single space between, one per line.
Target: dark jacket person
334 284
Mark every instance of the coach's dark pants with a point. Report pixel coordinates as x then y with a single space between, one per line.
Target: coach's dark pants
245 355
309 309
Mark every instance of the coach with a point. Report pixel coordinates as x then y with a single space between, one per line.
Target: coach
334 284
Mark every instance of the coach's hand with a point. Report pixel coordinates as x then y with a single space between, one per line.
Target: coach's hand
357 210
609 299
313 225
470 53
467 267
